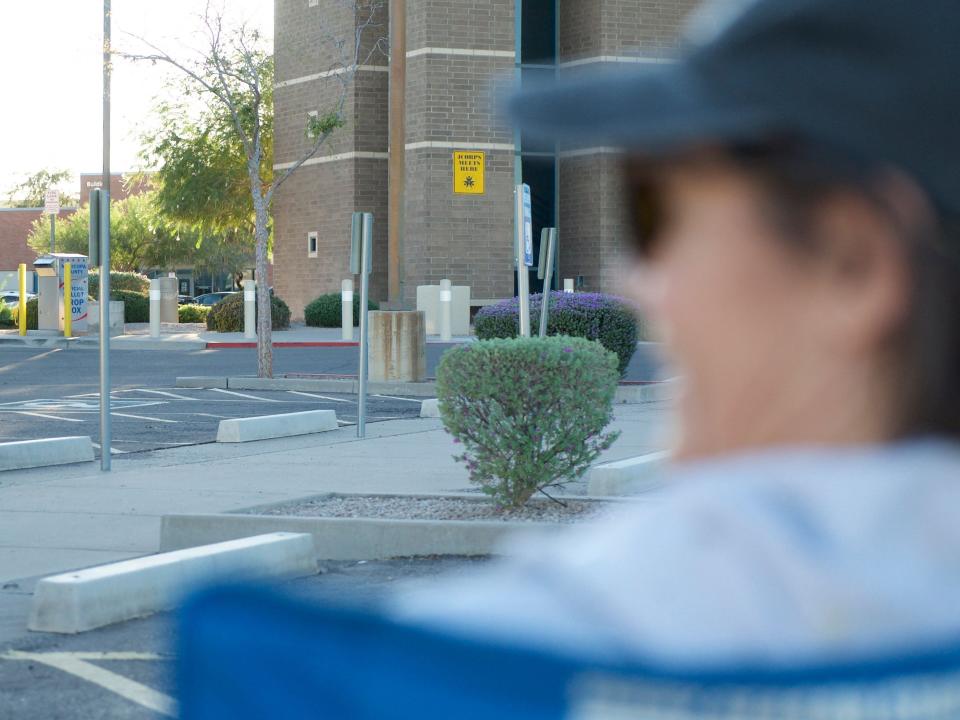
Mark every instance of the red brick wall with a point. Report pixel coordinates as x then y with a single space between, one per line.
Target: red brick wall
15 224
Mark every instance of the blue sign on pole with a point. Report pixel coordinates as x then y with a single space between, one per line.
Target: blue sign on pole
527 227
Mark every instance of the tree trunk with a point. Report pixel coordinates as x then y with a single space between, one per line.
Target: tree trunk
264 326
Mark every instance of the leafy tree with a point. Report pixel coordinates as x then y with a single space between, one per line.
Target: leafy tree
32 192
232 75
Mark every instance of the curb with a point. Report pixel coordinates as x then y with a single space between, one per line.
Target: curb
23 454
350 538
266 427
78 601
306 344
630 476
628 394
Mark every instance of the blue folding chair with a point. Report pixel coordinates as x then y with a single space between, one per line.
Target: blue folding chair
252 654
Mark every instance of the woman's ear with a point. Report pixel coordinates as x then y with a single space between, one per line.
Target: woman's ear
863 271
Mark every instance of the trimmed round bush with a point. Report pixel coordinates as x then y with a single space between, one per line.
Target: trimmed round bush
608 319
6 317
227 315
530 413
137 282
192 313
33 314
136 305
326 310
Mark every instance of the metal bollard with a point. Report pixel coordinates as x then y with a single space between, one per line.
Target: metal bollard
249 309
155 308
346 309
446 310
67 300
568 285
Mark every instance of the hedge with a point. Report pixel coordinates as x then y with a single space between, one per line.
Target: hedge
6 317
32 314
136 305
530 413
608 319
327 309
193 313
137 282
227 315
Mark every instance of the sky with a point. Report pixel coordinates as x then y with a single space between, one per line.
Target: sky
51 59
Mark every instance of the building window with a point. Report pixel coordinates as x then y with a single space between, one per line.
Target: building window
312 245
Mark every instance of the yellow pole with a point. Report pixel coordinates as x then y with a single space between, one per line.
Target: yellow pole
67 300
22 300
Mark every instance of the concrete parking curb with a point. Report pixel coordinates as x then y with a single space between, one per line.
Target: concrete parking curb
627 394
265 427
87 599
430 408
630 476
350 538
24 454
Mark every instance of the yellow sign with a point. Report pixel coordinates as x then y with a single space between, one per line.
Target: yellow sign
468 172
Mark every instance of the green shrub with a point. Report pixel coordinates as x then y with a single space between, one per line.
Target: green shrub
326 310
32 314
227 315
192 313
605 318
6 317
137 282
530 412
136 305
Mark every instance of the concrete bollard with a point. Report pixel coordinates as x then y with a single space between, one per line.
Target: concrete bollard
568 285
398 346
169 308
346 309
249 309
155 295
446 310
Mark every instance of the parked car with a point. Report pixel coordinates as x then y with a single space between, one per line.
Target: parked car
12 297
211 298
186 300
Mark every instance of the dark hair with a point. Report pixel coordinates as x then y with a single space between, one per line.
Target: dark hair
796 177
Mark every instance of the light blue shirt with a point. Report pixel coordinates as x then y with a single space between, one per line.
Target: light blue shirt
778 557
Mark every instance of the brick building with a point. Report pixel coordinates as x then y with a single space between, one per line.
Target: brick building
454 56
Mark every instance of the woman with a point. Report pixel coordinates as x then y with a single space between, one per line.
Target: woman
793 188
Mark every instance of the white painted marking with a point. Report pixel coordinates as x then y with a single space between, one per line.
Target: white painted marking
243 395
164 393
319 397
117 684
48 417
394 397
113 450
344 422
210 415
144 417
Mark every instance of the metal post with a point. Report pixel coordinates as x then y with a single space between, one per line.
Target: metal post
446 311
68 300
365 260
546 272
346 309
523 274
53 234
106 432
249 309
155 296
22 299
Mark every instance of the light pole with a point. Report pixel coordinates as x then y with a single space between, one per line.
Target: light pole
105 429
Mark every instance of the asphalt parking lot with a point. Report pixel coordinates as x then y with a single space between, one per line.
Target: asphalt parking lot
125 671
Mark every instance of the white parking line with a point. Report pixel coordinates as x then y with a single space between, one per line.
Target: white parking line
393 397
48 417
113 451
162 392
77 664
144 417
243 395
319 397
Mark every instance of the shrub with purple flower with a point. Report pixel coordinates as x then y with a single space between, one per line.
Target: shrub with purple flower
528 413
610 320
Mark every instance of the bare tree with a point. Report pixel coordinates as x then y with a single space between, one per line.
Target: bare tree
233 72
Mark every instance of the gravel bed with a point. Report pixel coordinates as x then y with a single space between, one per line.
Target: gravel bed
436 508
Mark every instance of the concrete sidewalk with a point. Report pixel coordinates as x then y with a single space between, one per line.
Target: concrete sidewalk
58 519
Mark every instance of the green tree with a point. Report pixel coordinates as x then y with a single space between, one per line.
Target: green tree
233 77
32 191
